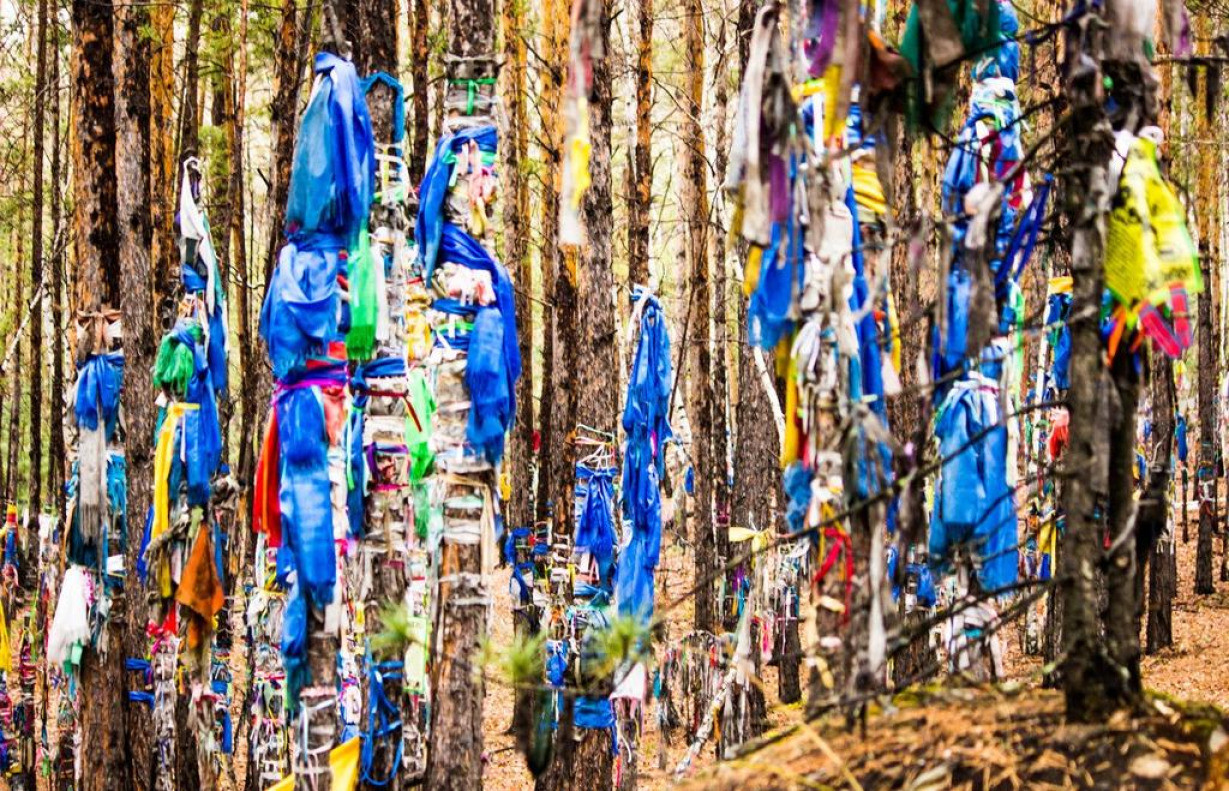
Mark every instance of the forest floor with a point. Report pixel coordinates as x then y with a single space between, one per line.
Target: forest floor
1011 736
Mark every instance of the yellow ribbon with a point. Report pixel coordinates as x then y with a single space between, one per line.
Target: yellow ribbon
164 456
343 765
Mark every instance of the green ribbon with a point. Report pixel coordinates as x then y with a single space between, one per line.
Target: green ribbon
471 90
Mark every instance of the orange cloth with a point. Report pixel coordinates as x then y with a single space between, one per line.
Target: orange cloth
200 590
266 507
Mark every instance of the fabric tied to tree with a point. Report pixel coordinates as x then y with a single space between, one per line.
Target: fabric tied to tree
974 506
433 192
308 415
301 313
199 272
494 363
646 423
595 517
332 176
96 409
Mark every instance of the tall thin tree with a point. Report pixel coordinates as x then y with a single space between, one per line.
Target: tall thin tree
516 248
698 347
597 356
455 757
134 86
98 284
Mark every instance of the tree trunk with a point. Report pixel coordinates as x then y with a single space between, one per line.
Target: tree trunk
159 42
558 287
419 30
516 254
250 373
1158 532
1085 669
720 346
1206 475
640 202
376 50
55 448
597 356
12 478
284 111
190 101
37 253
30 563
1123 597
698 347
133 90
454 759
105 762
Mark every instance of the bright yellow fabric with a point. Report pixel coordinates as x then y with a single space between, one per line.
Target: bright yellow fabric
789 449
1060 285
164 456
867 190
751 272
758 539
6 650
343 761
894 325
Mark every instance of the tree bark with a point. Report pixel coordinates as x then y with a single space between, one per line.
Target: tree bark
55 448
516 254
698 347
158 41
376 50
104 757
640 202
1085 668
1159 551
1122 595
249 371
597 356
37 253
555 417
134 83
454 759
287 75
720 375
1206 475
12 478
190 101
420 27
30 563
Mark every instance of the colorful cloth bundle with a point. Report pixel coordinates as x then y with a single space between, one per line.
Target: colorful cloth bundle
1151 263
646 422
301 478
974 506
